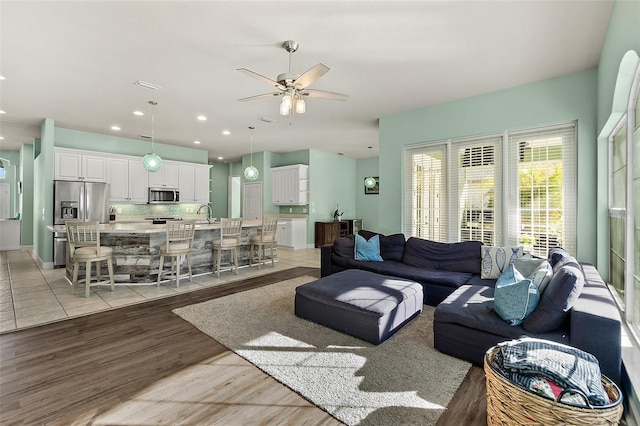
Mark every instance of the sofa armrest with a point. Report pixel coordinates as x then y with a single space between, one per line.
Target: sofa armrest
595 324
326 252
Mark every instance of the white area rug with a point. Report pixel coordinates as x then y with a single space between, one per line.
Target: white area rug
402 381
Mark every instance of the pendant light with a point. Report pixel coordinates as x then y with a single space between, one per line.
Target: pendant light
251 173
370 181
152 161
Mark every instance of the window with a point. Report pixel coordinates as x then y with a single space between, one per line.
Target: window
456 190
624 208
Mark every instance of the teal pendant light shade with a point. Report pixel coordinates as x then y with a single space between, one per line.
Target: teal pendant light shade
152 161
251 173
369 182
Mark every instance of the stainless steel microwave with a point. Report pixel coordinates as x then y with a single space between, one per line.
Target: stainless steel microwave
164 195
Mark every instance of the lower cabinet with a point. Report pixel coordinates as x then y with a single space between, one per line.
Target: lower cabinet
292 233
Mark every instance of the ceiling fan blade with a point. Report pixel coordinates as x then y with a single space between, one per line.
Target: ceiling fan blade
261 78
323 94
310 76
266 95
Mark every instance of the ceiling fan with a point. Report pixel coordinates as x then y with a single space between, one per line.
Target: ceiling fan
293 87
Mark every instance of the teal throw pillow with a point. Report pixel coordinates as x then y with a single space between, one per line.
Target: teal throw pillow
368 250
514 297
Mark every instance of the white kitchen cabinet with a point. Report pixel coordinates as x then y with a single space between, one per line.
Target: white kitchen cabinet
166 177
292 233
77 165
194 183
128 180
290 185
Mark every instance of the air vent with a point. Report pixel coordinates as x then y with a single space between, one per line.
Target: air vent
147 85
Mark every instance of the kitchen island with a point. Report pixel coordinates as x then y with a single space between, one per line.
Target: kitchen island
136 248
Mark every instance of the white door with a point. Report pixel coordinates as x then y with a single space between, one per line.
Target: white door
252 201
234 196
5 200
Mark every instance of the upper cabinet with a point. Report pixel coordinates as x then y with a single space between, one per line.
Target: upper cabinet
166 177
290 185
128 180
79 165
194 183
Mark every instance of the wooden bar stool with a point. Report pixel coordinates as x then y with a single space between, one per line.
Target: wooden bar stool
265 239
230 230
179 243
84 247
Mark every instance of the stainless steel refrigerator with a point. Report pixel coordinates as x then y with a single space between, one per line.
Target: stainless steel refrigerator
87 201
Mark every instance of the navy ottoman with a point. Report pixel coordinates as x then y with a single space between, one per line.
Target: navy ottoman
362 304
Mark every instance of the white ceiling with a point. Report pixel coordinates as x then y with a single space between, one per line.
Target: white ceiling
76 62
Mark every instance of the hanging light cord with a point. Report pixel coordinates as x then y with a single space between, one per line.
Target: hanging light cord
153 125
251 128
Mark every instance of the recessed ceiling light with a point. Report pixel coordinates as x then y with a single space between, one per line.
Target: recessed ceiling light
220 158
2 77
226 132
202 118
138 113
116 128
2 112
196 142
1 138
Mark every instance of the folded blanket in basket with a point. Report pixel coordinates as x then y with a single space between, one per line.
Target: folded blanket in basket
571 368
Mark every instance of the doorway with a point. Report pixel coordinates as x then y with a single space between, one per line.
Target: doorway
234 196
5 200
252 203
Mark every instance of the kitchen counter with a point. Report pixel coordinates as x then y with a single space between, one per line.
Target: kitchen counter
146 227
136 248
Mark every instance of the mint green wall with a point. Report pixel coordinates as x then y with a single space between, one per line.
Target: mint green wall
219 196
26 199
77 139
12 175
622 35
367 205
331 182
289 158
43 193
557 100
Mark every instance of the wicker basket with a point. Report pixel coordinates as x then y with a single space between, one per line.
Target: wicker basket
510 404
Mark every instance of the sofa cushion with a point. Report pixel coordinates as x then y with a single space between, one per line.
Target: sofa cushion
391 246
559 297
495 260
455 257
367 250
343 247
472 306
421 275
514 297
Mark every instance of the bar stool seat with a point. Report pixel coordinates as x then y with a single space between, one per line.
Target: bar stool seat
266 239
84 247
179 244
230 230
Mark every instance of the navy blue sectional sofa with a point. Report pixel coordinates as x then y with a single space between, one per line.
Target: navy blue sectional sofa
578 311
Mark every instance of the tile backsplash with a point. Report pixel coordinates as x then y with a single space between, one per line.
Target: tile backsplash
155 210
294 209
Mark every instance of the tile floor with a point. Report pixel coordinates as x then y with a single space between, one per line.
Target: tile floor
31 296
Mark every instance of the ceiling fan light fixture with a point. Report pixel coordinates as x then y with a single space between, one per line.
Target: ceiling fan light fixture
301 107
285 105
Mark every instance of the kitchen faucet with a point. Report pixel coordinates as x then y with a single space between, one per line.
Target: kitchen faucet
209 212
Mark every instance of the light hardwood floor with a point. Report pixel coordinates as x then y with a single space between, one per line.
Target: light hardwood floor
141 364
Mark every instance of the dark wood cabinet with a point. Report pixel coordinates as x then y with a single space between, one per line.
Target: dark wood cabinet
327 232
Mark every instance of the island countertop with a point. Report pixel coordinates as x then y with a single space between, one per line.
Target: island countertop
149 228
